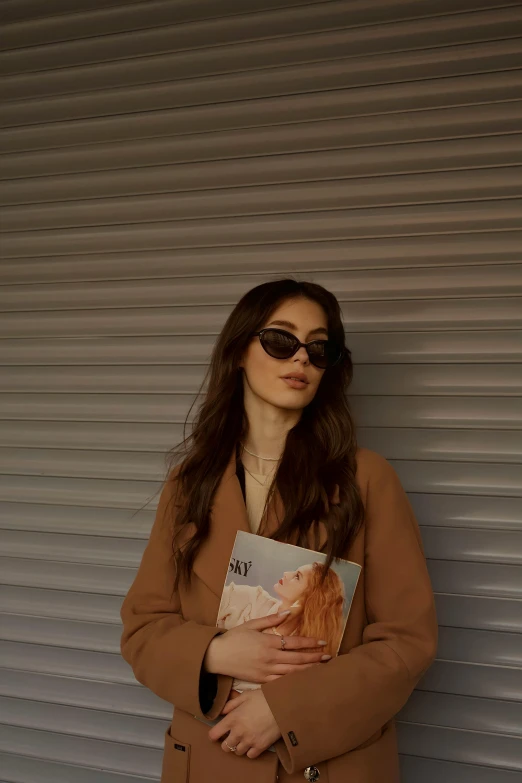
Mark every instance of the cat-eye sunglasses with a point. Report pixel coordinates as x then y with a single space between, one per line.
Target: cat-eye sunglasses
281 344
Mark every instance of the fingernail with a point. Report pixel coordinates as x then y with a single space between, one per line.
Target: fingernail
325 657
322 641
280 614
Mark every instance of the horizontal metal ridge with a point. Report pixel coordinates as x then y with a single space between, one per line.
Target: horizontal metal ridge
71 634
453 282
203 178
498 118
433 770
86 693
494 716
160 36
59 739
455 744
104 15
475 185
409 314
353 255
483 613
328 51
101 552
237 88
65 661
166 120
370 222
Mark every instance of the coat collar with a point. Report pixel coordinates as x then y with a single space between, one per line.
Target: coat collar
228 514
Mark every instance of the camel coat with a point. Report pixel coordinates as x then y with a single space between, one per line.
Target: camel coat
337 716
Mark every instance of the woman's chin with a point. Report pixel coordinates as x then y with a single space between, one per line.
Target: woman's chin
277 588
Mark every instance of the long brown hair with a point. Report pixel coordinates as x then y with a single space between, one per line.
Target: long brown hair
322 614
319 450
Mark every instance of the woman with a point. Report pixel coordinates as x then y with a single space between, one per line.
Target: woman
276 393
314 605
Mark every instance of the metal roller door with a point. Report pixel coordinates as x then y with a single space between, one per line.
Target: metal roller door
159 159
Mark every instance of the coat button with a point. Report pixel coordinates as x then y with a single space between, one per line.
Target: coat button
312 773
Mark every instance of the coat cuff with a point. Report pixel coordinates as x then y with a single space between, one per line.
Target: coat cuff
358 693
187 666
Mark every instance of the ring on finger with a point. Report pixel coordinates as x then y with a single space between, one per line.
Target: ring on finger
242 747
233 748
283 642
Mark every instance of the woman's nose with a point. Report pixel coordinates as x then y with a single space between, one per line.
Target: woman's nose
302 353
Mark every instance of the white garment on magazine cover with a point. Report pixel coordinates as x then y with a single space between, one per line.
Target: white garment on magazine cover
241 603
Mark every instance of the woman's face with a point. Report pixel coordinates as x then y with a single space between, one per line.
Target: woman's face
263 375
293 583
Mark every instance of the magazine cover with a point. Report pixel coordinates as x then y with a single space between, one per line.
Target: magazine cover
267 576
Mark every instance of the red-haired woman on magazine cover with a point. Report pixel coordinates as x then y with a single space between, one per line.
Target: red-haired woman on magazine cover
313 606
273 450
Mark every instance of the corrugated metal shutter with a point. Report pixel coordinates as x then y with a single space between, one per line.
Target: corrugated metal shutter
162 158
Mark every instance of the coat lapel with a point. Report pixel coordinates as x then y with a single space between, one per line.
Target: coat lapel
228 515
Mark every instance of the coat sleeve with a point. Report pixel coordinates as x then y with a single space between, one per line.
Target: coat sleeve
165 651
334 707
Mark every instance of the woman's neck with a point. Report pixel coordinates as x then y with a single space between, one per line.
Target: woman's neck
266 433
285 604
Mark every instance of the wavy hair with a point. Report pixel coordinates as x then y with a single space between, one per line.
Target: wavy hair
319 450
322 602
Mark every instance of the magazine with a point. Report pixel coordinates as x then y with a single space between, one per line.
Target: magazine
266 577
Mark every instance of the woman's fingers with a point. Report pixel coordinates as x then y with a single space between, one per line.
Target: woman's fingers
241 746
230 706
300 642
285 668
300 657
229 743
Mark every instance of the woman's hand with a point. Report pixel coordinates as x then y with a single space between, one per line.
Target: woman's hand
247 654
249 723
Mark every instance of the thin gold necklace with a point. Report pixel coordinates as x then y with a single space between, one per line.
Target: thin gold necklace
262 483
272 459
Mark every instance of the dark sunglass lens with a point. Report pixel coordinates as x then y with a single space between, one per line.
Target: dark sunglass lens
324 354
335 353
278 344
319 354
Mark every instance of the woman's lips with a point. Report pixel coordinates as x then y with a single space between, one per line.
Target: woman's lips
280 581
295 384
